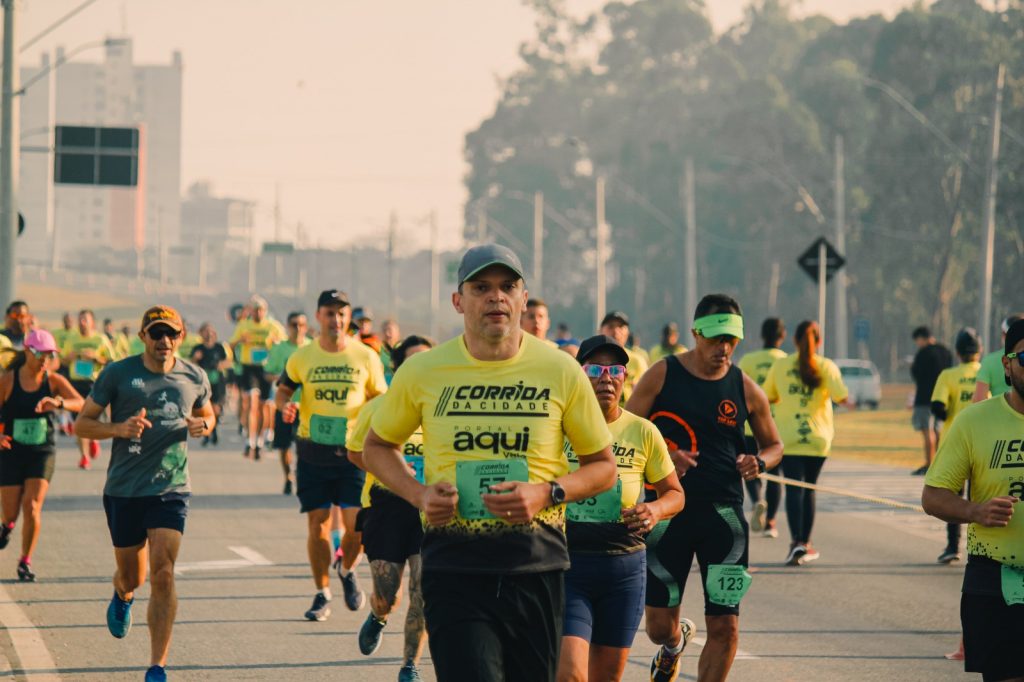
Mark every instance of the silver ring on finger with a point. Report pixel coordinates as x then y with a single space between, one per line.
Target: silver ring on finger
647 522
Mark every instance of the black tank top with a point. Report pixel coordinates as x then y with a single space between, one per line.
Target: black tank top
22 405
706 416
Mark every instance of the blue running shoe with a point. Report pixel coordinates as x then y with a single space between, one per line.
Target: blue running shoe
409 673
156 673
370 634
119 616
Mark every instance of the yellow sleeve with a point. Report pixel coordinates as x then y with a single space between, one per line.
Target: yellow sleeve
356 438
952 464
236 335
770 387
582 420
834 381
659 464
399 415
941 393
107 350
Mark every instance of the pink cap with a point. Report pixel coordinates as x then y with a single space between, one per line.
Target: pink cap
41 340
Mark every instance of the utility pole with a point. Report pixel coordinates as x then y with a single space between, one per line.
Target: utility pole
435 277
690 250
392 271
842 344
985 326
481 223
602 254
822 277
538 242
9 153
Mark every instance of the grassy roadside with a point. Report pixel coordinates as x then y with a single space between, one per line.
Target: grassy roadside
883 436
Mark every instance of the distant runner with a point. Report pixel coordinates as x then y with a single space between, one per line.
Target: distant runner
214 357
930 360
616 325
252 340
284 432
86 351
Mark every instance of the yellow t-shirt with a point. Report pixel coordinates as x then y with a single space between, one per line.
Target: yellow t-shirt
413 447
985 445
60 336
513 412
635 368
335 386
756 365
80 368
6 352
255 340
658 352
955 388
640 455
802 415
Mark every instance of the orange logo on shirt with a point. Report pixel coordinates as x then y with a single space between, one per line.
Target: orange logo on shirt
727 412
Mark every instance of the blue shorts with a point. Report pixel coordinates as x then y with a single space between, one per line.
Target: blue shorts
129 518
320 486
604 597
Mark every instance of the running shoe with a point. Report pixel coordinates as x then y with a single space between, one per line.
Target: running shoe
810 554
205 441
119 616
25 573
156 673
665 666
94 449
759 516
409 673
770 531
214 438
248 452
256 453
950 555
5 534
920 471
84 463
288 487
354 597
320 609
371 634
796 553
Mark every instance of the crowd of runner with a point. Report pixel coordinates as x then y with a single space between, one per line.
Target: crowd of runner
540 496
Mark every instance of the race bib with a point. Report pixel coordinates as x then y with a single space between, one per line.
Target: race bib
83 368
1013 585
30 431
327 430
605 507
213 375
259 355
416 462
474 479
727 583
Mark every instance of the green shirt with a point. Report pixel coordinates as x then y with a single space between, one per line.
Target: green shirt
993 374
278 358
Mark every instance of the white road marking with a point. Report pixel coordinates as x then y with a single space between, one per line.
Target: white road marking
252 556
249 557
741 655
28 643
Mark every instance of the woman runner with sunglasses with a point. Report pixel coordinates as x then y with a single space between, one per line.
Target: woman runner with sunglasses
29 397
604 588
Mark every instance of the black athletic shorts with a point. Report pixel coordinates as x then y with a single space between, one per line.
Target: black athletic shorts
993 631
494 627
320 486
391 527
23 462
129 518
254 378
715 533
284 433
218 392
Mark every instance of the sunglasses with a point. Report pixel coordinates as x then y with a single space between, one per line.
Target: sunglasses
48 354
597 371
1018 356
157 333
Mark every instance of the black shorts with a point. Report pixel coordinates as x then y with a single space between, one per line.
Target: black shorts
714 533
83 386
321 486
23 462
218 392
254 378
604 598
129 518
392 529
993 631
494 627
284 433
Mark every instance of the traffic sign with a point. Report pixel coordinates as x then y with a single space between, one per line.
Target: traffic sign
808 260
278 247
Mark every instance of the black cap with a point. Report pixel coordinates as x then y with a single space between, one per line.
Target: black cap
615 316
486 255
332 297
602 342
1014 335
362 313
967 341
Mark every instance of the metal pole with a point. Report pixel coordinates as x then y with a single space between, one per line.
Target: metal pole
773 288
822 273
602 256
985 323
690 250
481 223
392 271
538 242
842 344
9 143
435 278
252 259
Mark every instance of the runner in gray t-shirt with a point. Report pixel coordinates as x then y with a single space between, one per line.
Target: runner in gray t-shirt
157 400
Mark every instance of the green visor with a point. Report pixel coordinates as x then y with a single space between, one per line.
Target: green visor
721 324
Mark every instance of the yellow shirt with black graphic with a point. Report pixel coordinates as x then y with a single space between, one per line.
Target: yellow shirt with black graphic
641 455
985 445
79 367
519 411
335 386
658 352
804 415
412 447
756 365
255 339
955 388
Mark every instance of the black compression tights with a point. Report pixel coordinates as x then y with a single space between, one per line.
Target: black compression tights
800 501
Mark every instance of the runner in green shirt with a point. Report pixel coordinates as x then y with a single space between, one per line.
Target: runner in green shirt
992 381
284 432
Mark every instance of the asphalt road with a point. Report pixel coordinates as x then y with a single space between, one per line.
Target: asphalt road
874 607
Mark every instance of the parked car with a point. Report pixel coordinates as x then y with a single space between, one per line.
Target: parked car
863 380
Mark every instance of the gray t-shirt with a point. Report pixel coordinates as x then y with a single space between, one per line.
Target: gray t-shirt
157 463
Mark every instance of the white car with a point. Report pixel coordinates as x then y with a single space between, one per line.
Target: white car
863 380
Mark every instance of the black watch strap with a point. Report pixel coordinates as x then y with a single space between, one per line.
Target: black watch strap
761 465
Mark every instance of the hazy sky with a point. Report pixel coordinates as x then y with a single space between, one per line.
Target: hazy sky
355 107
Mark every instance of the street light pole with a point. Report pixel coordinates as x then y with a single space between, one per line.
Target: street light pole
842 344
602 256
991 182
538 243
9 153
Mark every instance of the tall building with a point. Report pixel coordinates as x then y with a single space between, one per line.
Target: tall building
104 227
220 230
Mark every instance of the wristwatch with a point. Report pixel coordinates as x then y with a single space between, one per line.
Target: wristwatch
761 466
557 493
